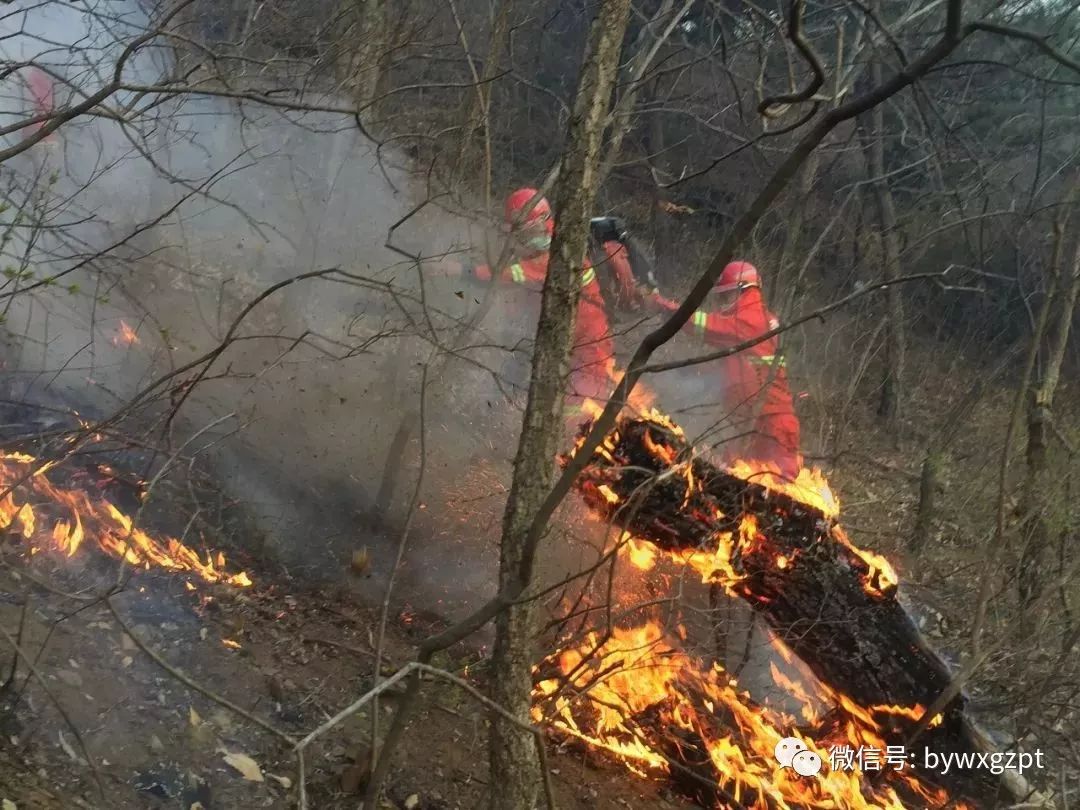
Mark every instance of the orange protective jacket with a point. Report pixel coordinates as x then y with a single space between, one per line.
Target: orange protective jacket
618 269
752 384
593 354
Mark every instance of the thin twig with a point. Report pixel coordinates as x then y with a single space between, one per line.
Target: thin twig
19 653
384 611
18 641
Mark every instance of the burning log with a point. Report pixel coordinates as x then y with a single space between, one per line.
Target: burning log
777 545
636 697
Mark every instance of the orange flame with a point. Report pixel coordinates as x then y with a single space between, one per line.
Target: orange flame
633 694
809 487
111 530
125 335
641 553
604 686
881 576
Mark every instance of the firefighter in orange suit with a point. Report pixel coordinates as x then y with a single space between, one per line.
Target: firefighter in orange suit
752 384
593 355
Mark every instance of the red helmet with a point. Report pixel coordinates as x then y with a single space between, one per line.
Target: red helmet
540 213
737 276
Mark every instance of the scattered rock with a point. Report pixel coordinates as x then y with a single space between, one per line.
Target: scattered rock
288 713
156 744
412 802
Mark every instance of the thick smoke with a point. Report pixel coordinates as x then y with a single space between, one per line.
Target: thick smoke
299 428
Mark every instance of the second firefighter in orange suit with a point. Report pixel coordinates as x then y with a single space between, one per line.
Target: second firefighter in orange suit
593 354
752 384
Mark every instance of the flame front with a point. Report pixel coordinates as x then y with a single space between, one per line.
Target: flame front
635 696
26 486
633 692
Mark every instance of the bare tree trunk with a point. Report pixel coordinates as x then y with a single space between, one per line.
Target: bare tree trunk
1038 490
783 277
929 484
366 64
514 775
655 160
892 385
937 446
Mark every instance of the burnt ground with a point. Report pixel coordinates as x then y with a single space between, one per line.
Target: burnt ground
305 651
301 656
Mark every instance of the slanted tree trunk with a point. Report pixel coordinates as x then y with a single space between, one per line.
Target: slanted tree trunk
514 771
1039 490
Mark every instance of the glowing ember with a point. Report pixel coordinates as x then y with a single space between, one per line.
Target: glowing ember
809 487
881 577
91 520
125 335
641 553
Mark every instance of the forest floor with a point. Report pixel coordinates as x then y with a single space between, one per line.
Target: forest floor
290 655
132 735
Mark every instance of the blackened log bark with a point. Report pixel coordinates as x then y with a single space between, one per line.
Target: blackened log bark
512 755
828 602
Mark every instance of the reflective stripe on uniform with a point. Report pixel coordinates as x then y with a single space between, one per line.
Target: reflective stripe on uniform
701 320
769 360
588 276
517 273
